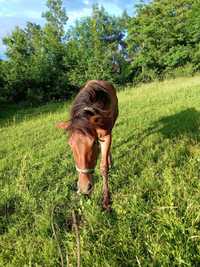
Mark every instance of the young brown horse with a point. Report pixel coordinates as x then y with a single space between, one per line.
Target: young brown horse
92 118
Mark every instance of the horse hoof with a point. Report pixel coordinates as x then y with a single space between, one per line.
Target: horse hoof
106 206
107 209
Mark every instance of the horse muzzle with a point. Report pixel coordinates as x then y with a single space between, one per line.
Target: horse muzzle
84 184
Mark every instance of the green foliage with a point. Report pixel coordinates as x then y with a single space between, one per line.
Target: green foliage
163 36
56 18
47 63
161 40
92 54
36 68
154 183
2 97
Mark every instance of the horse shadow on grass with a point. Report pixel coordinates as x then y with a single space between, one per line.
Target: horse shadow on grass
181 125
185 123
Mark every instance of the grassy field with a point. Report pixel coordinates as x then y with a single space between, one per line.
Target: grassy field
154 183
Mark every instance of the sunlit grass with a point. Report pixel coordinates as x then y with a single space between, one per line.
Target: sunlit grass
154 183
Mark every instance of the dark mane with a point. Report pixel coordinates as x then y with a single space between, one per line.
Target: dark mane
93 101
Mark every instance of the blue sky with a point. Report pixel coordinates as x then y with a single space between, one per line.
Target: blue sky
18 12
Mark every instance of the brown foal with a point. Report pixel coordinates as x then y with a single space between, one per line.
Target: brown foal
93 115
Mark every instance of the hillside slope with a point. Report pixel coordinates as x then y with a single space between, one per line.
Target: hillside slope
154 183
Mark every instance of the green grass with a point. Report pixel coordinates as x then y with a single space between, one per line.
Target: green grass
154 183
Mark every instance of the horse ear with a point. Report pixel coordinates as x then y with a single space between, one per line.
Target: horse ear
63 125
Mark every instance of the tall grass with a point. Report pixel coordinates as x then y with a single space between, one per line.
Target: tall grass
154 183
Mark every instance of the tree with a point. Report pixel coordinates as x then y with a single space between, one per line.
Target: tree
2 92
159 39
193 26
56 18
93 46
37 70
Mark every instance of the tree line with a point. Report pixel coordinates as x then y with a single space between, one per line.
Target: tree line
46 63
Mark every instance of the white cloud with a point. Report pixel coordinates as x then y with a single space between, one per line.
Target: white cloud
74 15
32 14
29 14
86 2
10 1
112 8
6 13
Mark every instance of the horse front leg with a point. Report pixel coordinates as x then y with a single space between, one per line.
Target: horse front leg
104 168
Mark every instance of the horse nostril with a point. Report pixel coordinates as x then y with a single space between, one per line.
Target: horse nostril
89 187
